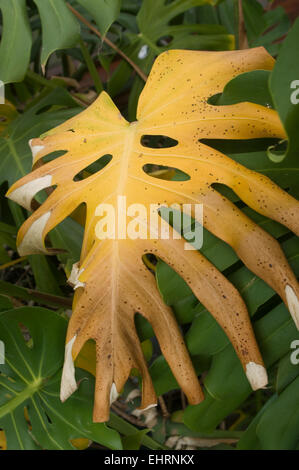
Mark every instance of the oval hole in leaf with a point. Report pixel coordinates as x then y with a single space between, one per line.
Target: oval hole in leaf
26 335
164 41
51 156
165 172
93 168
277 152
158 141
150 261
239 146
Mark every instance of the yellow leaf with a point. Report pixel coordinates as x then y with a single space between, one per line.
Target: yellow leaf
81 443
87 358
111 281
3 444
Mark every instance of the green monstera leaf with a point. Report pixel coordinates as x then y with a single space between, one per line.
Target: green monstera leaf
29 380
60 30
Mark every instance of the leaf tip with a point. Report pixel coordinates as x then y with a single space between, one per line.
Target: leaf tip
293 304
113 393
33 241
148 407
25 193
73 279
68 381
256 375
35 149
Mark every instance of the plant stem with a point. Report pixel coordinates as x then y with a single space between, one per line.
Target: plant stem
13 262
242 36
110 43
91 67
41 80
127 429
10 290
20 398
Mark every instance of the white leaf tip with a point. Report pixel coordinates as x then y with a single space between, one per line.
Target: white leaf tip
68 381
148 407
33 241
35 149
113 393
73 279
256 375
293 304
24 194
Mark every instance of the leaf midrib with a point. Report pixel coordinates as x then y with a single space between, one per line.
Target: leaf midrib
20 398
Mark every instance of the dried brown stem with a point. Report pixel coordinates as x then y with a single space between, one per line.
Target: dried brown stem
163 406
126 416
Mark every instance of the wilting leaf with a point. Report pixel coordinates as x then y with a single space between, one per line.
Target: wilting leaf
111 280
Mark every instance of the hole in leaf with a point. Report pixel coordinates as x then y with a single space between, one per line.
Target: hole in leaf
51 156
150 261
165 172
48 418
277 152
158 141
41 197
227 192
93 168
143 327
239 146
67 237
164 41
26 335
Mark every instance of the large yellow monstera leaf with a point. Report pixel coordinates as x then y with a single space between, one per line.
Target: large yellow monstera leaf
111 280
